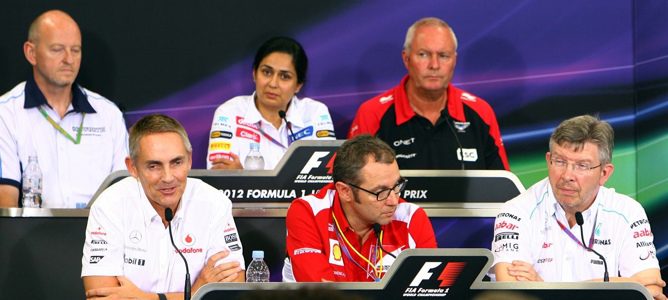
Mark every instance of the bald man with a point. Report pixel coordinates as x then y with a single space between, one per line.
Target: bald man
78 136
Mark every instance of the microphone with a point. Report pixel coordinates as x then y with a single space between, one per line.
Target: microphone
169 215
580 220
376 230
281 114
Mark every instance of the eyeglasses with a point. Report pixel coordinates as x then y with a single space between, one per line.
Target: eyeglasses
578 167
384 194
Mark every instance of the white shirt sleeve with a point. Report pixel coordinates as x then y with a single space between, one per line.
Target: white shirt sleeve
9 158
103 247
225 235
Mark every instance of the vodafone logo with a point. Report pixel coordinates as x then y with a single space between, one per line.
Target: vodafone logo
247 134
188 240
447 277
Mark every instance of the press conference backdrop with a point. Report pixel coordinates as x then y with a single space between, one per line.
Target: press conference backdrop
536 62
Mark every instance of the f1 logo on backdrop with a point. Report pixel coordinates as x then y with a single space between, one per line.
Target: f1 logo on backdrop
316 160
447 277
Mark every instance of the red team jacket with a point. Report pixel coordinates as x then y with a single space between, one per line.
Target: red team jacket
316 249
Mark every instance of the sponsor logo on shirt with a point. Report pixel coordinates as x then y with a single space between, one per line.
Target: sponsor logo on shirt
98 231
468 97
221 134
189 250
90 131
546 245
220 146
240 121
596 262
405 142
98 242
301 251
506 236
638 223
230 238
544 260
467 154
504 224
335 257
189 240
134 261
650 254
95 259
330 227
306 132
325 133
98 249
223 119
385 99
644 244
247 134
234 247
642 233
461 126
135 236
405 156
602 242
508 215
508 247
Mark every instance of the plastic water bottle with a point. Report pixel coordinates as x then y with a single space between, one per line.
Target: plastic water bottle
257 270
254 159
32 184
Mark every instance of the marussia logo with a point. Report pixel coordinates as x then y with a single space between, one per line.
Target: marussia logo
448 276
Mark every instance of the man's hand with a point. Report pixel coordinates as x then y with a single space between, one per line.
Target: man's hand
651 279
127 290
523 271
227 164
219 272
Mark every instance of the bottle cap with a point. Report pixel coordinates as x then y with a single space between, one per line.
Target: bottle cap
258 254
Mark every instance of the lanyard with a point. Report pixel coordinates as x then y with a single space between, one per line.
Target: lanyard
570 234
259 128
344 247
60 129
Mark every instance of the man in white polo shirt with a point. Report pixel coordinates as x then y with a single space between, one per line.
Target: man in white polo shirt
128 253
78 136
537 235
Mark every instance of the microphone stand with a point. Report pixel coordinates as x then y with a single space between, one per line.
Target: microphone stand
580 220
169 215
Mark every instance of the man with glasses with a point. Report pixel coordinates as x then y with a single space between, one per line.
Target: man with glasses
353 228
537 236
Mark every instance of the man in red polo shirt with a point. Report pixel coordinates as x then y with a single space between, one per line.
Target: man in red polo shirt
353 228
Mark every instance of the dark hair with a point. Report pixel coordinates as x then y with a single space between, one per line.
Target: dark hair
288 46
352 157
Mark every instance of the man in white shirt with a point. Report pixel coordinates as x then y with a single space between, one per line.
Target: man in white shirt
78 136
536 237
128 251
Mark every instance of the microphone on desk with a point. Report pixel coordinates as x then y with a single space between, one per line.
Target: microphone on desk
169 215
376 230
281 114
580 220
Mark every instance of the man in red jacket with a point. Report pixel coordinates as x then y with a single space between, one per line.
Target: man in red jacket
430 123
353 228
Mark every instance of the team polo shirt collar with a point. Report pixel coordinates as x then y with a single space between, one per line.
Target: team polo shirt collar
337 210
295 113
150 215
34 97
404 111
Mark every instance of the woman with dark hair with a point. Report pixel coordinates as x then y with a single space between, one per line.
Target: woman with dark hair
273 117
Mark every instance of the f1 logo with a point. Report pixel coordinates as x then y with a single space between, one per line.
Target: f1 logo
314 161
448 276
